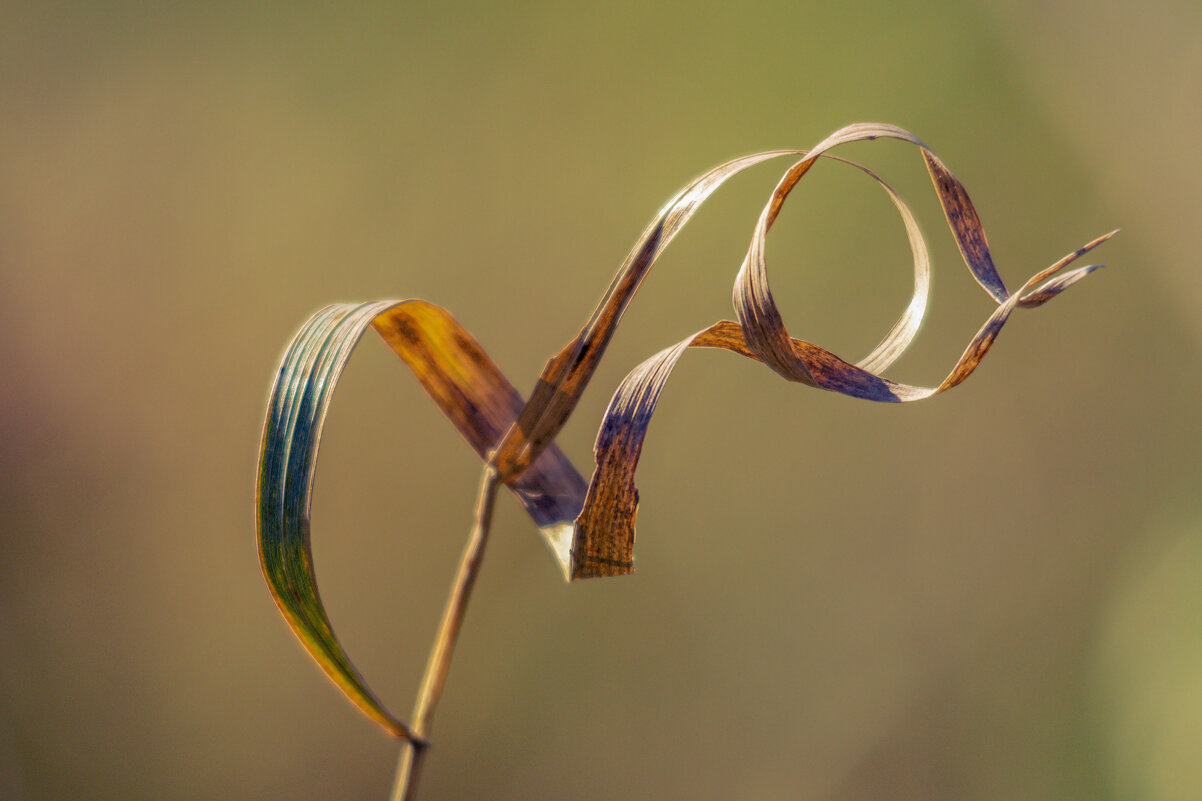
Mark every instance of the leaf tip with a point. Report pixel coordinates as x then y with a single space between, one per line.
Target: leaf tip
558 537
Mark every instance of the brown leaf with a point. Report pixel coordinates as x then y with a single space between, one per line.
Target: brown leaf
566 375
604 538
482 404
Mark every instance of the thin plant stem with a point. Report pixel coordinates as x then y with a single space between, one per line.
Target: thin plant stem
409 765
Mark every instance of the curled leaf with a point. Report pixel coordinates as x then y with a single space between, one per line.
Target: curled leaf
590 527
604 538
566 375
465 384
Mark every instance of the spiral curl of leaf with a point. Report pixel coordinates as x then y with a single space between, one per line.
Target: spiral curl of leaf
590 525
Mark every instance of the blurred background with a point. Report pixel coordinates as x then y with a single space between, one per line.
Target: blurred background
994 594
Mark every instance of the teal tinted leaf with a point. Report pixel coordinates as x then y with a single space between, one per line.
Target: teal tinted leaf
466 385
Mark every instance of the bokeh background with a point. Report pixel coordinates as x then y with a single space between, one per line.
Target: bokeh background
991 595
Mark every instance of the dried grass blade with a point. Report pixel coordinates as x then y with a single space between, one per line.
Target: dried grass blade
603 544
754 304
566 375
482 404
466 385
291 435
604 537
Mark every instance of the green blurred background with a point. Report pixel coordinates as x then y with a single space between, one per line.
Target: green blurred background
994 594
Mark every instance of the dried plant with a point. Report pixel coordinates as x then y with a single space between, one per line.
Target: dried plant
589 525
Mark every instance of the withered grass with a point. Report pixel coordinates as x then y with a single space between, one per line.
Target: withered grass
589 525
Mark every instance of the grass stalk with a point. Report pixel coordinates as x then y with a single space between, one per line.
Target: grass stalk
413 751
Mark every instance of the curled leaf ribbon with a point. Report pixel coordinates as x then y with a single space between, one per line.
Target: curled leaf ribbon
589 525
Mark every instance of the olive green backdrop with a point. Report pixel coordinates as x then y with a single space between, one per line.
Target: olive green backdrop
990 595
